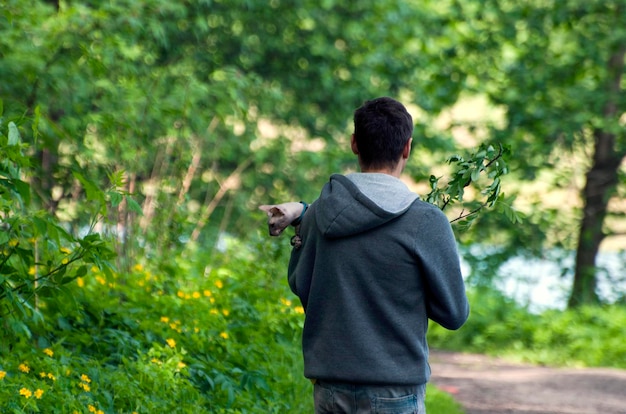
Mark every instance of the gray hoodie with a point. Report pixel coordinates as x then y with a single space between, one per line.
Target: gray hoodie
374 265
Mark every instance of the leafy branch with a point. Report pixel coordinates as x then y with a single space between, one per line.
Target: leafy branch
489 162
36 250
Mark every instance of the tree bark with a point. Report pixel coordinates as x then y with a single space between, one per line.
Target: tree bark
601 180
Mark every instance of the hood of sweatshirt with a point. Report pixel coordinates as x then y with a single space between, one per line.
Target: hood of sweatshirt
359 202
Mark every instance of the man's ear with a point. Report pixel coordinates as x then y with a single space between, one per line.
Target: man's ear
407 149
353 145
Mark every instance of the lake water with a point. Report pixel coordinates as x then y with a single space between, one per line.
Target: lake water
541 284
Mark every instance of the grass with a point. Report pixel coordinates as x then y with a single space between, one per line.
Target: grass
440 402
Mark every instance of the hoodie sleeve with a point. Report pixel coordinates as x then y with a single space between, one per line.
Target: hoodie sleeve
447 302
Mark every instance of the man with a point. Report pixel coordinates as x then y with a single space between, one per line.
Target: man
371 264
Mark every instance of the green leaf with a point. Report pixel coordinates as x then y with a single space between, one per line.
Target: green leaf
134 206
117 179
115 198
81 271
41 225
23 190
14 134
52 233
64 324
92 191
475 175
509 212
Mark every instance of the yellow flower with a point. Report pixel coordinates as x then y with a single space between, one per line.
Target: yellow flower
170 342
285 302
180 294
13 242
65 261
38 393
101 280
65 250
32 270
181 365
224 335
207 293
91 408
24 368
85 386
48 352
226 312
99 412
85 378
43 374
165 319
213 312
196 295
26 392
299 309
80 282
219 284
138 267
2 374
52 377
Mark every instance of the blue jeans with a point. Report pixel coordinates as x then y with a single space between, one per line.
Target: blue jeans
345 398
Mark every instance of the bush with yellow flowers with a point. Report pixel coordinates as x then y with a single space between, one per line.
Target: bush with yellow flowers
219 336
78 336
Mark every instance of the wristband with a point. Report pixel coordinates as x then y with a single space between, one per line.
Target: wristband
299 219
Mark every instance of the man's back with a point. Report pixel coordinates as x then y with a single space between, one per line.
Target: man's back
374 264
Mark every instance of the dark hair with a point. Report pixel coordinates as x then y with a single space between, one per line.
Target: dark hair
382 127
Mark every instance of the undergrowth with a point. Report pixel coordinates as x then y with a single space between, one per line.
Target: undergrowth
590 336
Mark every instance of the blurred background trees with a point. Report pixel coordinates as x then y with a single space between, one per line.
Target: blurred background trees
206 109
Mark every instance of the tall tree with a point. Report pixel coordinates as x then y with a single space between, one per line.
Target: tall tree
557 68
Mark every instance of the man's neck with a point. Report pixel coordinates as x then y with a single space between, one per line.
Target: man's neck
395 172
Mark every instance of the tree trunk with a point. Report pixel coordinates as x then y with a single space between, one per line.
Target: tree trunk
602 178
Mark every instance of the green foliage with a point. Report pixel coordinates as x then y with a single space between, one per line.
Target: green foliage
39 256
557 69
210 108
439 402
589 336
222 339
486 162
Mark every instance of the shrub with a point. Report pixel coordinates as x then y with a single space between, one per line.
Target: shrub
589 336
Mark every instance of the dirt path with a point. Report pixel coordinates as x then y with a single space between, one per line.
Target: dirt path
485 385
